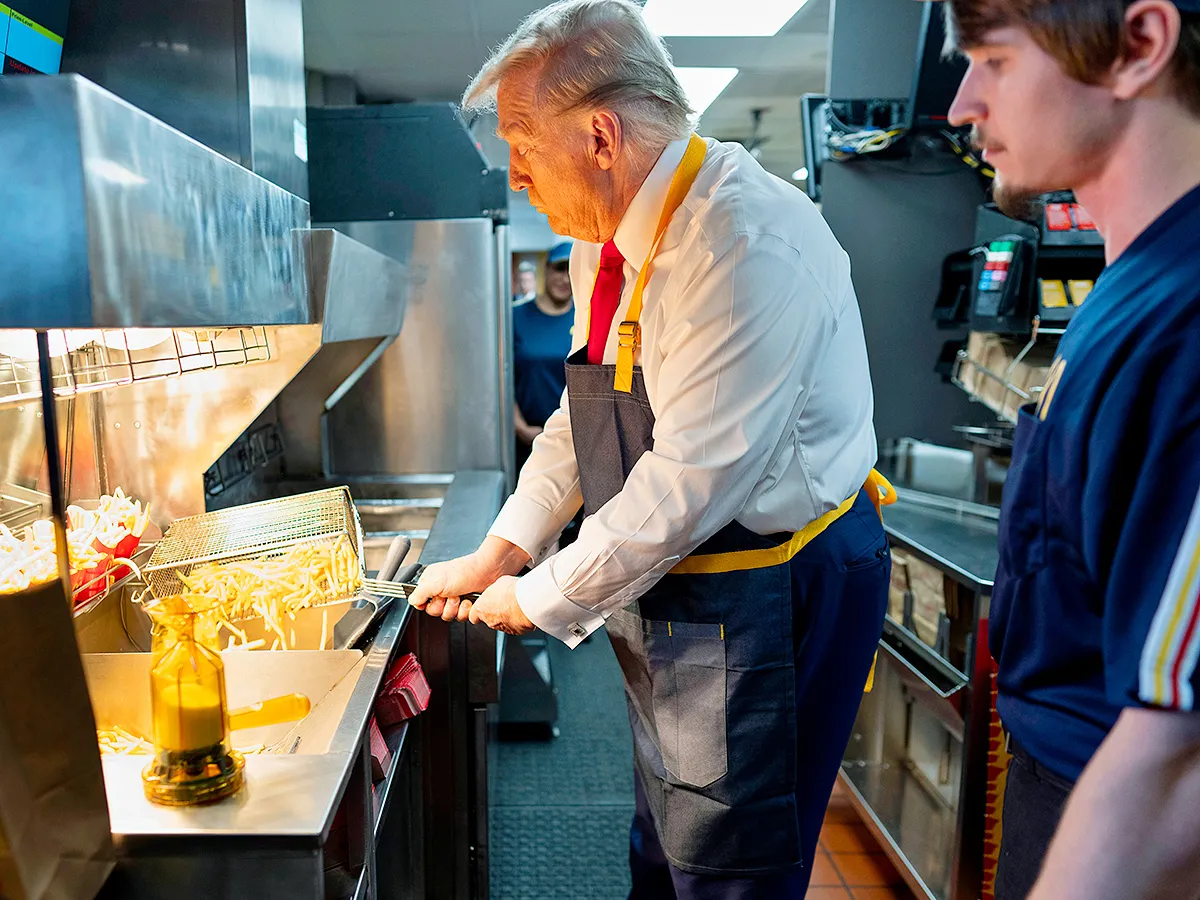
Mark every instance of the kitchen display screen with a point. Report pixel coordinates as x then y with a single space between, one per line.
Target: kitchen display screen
31 35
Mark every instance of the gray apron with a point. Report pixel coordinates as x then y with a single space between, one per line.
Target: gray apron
708 665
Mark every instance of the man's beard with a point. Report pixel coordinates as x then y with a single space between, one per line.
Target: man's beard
1017 202
1014 201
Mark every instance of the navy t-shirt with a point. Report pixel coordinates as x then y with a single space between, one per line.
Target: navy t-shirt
541 345
1096 605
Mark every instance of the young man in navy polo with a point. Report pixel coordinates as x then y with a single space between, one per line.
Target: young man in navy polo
1095 617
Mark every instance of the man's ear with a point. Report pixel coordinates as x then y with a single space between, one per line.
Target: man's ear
606 138
1151 36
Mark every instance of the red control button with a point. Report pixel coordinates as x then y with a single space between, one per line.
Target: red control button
1058 218
1082 220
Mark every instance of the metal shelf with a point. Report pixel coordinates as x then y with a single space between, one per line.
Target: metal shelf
93 360
994 437
1004 378
915 830
957 379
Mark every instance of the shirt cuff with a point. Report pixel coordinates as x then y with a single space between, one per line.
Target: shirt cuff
546 607
527 524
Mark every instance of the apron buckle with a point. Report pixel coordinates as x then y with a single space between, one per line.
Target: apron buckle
629 334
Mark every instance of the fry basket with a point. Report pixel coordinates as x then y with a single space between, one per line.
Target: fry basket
264 530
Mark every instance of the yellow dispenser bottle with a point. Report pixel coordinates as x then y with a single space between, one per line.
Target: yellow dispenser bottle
193 762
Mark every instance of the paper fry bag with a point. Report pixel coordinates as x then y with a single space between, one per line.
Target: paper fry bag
55 842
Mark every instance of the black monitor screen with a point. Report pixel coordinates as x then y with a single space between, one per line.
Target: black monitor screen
31 35
936 79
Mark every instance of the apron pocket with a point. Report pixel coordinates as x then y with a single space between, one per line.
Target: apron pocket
688 682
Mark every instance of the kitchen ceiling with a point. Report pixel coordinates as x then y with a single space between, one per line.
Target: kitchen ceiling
418 50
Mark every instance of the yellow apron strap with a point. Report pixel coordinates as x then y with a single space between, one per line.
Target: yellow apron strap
741 560
881 492
629 333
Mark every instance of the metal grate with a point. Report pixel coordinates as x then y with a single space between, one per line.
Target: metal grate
21 506
258 530
92 360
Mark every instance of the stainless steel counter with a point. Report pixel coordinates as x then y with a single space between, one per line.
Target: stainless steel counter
272 809
460 663
277 836
917 761
953 535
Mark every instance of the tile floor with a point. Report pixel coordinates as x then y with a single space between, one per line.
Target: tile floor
849 864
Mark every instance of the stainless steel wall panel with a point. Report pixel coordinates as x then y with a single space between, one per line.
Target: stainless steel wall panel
504 349
438 400
301 406
176 235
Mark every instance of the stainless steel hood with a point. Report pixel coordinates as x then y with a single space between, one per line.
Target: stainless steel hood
360 296
356 292
114 220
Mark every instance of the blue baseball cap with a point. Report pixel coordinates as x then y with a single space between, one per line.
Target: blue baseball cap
559 252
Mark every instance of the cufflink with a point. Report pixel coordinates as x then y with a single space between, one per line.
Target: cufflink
577 630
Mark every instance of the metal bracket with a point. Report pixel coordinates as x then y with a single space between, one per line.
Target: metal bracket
629 334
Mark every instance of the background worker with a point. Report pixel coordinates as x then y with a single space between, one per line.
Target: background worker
542 329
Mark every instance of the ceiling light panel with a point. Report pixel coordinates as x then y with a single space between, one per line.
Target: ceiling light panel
718 18
703 85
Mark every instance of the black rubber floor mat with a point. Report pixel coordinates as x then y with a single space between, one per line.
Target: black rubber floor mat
561 808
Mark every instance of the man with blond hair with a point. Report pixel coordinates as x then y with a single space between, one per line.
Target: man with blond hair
716 428
1095 615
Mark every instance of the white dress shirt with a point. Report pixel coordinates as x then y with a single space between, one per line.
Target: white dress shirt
756 370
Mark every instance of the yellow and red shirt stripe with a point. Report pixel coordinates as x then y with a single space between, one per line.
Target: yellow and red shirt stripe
1169 656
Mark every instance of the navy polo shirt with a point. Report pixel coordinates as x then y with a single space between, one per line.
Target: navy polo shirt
541 345
1096 605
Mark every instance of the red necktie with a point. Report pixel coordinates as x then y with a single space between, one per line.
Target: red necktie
606 297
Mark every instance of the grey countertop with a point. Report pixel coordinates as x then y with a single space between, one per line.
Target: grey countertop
957 537
287 799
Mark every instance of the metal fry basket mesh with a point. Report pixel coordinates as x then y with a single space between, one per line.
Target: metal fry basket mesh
254 531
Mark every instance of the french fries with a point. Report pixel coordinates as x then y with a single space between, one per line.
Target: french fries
98 542
27 561
276 589
119 742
